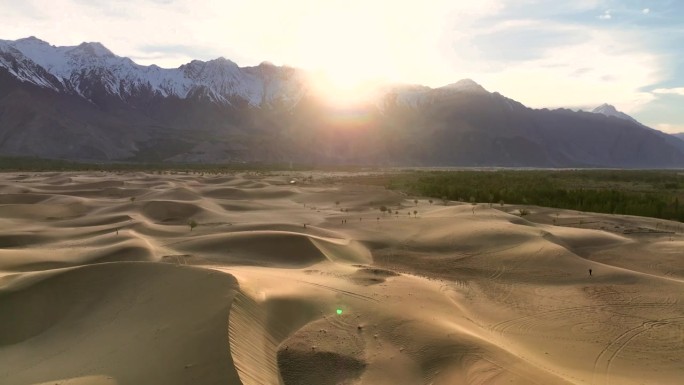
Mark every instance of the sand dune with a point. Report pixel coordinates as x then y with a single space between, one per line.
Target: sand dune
119 323
170 211
13 199
310 283
176 194
274 249
234 193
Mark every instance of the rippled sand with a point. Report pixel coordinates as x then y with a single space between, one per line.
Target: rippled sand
103 281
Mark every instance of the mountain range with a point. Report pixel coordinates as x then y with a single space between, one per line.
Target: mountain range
85 103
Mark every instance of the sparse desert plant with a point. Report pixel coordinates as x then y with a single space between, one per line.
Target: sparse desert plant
523 212
445 200
501 203
415 213
415 201
337 203
383 209
430 201
132 199
192 223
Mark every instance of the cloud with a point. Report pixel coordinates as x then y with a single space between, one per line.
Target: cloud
669 91
592 67
525 40
646 11
605 15
581 71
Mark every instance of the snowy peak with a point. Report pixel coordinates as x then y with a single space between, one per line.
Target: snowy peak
605 106
93 49
89 67
606 109
218 68
609 110
31 41
464 85
416 96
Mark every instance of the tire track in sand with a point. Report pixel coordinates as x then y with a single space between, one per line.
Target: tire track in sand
609 353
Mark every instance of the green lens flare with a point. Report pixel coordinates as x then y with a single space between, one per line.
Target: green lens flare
339 311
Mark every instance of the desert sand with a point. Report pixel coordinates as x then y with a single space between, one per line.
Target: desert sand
103 281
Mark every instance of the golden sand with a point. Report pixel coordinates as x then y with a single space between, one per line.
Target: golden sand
100 288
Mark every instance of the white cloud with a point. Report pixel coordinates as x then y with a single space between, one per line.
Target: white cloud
669 91
646 11
606 15
605 67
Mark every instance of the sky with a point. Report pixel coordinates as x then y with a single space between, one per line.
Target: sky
543 53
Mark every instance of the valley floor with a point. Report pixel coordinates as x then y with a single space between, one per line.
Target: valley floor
286 280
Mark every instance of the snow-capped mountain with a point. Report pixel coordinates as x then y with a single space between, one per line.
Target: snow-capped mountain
86 103
416 96
84 68
609 110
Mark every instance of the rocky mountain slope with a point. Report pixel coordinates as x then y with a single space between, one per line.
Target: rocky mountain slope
86 103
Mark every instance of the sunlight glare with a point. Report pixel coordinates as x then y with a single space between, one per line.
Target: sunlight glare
348 50
345 91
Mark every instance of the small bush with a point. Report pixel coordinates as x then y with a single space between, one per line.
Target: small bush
192 224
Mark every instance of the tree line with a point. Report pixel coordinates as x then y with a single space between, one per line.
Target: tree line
629 192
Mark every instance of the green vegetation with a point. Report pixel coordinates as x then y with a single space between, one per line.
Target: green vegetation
631 192
193 224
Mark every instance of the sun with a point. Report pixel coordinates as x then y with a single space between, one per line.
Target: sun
345 90
347 52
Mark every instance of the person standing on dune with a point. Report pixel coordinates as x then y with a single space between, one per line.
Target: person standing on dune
590 272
